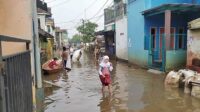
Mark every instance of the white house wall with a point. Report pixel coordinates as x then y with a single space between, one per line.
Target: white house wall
121 39
193 46
42 21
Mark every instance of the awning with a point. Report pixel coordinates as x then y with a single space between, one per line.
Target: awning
99 32
44 34
178 8
103 32
195 24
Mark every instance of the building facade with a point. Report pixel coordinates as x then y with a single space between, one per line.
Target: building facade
18 21
157 32
46 31
61 38
121 29
109 31
193 46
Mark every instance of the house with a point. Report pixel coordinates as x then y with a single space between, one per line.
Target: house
109 31
18 56
121 29
115 30
193 46
61 37
157 32
46 31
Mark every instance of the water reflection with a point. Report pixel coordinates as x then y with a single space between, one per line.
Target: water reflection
105 104
134 90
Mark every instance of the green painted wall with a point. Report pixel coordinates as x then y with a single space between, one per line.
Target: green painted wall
175 59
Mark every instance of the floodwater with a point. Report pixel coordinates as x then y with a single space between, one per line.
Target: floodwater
134 90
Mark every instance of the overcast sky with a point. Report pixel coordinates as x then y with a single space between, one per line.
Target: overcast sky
68 13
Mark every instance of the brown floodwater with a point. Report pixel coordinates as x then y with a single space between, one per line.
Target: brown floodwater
134 90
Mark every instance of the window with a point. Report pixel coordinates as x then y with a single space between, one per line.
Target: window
49 28
153 37
39 25
180 38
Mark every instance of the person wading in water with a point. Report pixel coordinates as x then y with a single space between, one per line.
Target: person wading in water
104 73
65 57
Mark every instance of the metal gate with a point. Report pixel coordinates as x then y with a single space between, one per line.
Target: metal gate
16 80
154 53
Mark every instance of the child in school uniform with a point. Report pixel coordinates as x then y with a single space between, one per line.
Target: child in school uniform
105 69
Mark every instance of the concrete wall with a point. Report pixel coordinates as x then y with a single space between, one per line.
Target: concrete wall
193 45
42 18
16 21
121 39
136 27
136 52
175 59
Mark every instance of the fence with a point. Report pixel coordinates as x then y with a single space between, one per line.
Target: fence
157 47
15 79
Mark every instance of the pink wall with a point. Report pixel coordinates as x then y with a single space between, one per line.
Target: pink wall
16 21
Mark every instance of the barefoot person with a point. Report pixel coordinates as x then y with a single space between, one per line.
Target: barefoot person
64 57
104 73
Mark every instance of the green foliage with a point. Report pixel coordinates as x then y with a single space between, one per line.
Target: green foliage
76 38
87 29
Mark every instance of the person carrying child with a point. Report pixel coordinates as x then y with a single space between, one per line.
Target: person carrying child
105 69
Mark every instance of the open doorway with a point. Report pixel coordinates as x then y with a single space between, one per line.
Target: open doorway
180 38
153 37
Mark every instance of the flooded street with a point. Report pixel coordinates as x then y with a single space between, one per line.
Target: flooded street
134 90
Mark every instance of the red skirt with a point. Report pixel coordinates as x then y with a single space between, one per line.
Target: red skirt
105 80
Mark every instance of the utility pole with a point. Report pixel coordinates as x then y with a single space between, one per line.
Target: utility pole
83 22
85 14
36 49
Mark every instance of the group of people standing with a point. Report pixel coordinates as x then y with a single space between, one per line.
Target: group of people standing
105 67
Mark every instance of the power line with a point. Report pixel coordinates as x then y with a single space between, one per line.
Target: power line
64 2
93 17
91 4
72 21
96 17
51 1
101 8
99 19
78 14
86 9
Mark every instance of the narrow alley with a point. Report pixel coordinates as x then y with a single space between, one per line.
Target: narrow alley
100 56
134 90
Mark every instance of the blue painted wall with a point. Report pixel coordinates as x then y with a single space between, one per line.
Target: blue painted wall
138 26
136 52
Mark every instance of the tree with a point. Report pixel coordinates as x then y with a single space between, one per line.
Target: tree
87 29
76 38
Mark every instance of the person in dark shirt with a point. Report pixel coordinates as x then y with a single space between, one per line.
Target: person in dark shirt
65 57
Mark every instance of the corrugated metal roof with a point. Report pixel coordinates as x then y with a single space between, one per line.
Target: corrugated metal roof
173 7
45 34
195 24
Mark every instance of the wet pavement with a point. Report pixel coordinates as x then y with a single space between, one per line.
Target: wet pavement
134 90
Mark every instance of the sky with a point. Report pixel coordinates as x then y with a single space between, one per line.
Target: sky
67 14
